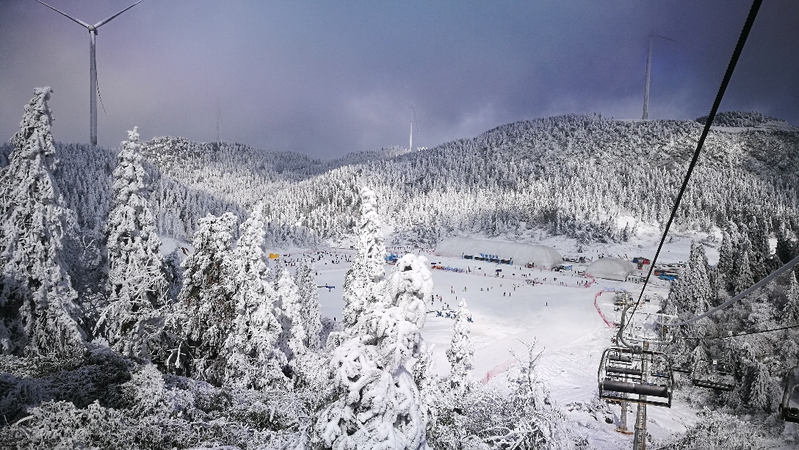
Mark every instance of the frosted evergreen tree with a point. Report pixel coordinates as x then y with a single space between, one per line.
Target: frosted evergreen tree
408 287
726 257
379 404
461 350
759 250
787 247
364 281
253 360
206 299
293 337
691 293
790 310
760 391
309 298
132 321
426 382
743 277
40 314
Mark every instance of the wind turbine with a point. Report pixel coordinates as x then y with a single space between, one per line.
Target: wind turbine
648 67
413 119
92 64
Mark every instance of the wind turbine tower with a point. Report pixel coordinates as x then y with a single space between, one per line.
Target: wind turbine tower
92 64
410 144
648 71
646 88
413 119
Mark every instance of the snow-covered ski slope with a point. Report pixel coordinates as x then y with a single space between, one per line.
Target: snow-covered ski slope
558 312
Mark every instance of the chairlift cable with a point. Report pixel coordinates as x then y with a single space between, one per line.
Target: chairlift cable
788 266
714 338
727 76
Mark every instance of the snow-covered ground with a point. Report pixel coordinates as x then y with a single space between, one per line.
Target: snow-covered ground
558 312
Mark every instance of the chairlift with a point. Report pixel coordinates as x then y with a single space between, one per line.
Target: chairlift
713 374
789 408
623 299
685 368
637 376
653 328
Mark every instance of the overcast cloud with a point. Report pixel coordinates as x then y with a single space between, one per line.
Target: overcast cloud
327 78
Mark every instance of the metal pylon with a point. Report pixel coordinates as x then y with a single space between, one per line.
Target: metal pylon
623 422
639 442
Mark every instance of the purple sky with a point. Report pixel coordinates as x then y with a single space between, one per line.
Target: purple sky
330 77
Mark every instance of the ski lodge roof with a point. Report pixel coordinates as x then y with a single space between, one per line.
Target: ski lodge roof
610 269
519 253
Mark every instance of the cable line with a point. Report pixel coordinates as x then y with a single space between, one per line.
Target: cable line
727 76
739 334
743 294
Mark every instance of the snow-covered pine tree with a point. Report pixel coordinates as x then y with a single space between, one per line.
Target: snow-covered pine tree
426 382
787 247
761 392
790 309
726 257
743 277
407 289
379 404
206 299
293 337
759 250
692 292
132 321
461 350
253 359
364 282
40 314
309 298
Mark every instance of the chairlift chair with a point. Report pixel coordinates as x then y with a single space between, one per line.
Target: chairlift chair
640 376
651 327
713 374
789 408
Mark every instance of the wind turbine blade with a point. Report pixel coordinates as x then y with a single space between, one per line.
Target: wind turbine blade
103 22
79 22
664 37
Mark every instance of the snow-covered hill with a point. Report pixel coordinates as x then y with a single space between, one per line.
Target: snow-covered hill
586 185
587 177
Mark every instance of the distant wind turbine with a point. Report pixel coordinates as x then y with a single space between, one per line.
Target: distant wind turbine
92 64
648 67
413 119
218 119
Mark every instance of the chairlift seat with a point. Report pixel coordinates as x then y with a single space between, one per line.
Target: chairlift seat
709 384
713 375
789 407
642 377
622 358
789 414
636 388
625 371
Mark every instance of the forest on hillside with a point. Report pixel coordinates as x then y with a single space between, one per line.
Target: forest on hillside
588 177
104 342
225 351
